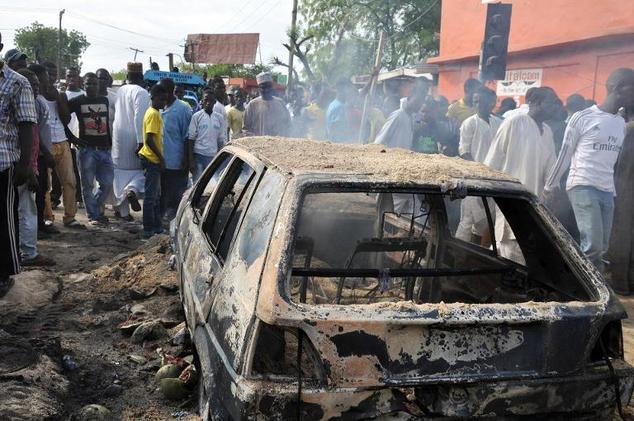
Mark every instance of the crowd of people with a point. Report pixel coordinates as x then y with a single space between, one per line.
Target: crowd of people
99 146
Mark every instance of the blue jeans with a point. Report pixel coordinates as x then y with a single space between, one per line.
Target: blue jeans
200 163
152 199
96 165
594 212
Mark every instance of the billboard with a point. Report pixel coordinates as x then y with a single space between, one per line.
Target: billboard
221 48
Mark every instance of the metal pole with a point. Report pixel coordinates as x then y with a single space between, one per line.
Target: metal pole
370 94
291 51
59 45
136 50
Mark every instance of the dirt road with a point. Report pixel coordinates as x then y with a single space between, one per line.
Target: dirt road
61 346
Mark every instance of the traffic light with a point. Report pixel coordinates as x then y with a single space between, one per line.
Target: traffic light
496 42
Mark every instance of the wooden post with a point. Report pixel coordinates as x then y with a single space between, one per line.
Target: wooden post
59 45
291 52
370 94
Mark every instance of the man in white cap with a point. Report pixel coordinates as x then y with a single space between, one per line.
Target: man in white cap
266 115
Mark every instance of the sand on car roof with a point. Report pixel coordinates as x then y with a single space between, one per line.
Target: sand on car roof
300 155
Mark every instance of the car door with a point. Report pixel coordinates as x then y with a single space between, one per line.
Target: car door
192 244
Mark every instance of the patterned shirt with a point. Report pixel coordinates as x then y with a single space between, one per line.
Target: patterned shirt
17 105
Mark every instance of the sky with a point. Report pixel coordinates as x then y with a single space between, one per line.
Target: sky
157 27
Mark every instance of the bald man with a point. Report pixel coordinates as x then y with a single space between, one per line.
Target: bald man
592 143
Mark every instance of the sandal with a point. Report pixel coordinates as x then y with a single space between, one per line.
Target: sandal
74 224
133 200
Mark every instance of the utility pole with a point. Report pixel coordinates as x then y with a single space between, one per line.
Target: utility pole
136 50
170 58
59 44
291 51
367 104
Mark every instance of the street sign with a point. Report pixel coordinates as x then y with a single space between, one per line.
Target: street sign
517 82
177 77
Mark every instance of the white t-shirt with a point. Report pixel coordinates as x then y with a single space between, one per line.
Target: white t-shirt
220 109
476 136
206 130
592 142
57 128
73 126
522 109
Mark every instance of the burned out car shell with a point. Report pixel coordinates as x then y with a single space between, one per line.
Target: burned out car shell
408 360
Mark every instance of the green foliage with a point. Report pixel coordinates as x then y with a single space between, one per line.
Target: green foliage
248 71
345 33
119 74
39 42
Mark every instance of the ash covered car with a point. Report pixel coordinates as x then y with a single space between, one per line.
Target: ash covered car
325 281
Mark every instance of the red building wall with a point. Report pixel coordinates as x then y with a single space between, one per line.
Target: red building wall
576 43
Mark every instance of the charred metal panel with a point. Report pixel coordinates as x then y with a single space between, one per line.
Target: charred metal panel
576 397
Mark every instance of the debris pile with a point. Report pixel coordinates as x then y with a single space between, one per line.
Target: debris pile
140 271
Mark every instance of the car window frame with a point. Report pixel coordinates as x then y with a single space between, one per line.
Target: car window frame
202 183
258 171
305 187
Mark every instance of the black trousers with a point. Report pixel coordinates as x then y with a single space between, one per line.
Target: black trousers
173 185
9 241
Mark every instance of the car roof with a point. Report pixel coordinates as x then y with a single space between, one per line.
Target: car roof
378 162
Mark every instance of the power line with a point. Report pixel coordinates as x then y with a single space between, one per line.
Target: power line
108 25
236 26
226 24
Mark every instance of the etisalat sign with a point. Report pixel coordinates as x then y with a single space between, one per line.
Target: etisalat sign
517 82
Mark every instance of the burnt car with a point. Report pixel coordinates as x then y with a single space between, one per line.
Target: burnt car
325 281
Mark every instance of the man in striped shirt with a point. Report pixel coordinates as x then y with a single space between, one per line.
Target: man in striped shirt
592 142
17 117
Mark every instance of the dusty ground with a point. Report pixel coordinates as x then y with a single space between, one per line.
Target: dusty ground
76 308
80 303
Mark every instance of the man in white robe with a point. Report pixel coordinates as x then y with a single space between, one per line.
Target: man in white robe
398 132
132 102
476 134
524 148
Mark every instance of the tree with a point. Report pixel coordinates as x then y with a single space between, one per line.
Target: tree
343 34
247 71
39 42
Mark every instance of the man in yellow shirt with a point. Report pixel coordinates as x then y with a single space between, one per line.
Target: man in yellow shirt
235 115
463 108
151 154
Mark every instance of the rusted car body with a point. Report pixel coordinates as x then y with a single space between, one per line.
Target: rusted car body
309 296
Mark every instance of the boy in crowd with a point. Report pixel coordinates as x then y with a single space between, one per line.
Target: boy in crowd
205 136
151 154
27 208
476 134
93 145
592 143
